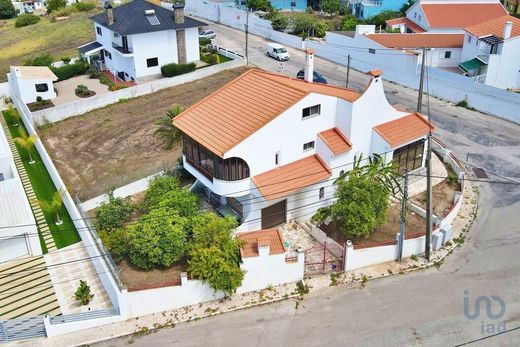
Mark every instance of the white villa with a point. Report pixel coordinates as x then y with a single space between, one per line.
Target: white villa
18 233
267 148
135 39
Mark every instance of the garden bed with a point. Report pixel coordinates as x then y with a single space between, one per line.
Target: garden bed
136 279
85 95
40 105
443 195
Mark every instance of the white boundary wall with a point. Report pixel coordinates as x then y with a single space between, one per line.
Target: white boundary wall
60 112
401 69
4 89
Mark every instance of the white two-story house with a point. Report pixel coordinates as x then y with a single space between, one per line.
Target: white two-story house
491 52
267 148
135 39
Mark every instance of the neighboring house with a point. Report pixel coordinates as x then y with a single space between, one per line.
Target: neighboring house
267 148
18 233
491 52
447 16
513 6
31 82
135 39
266 260
365 9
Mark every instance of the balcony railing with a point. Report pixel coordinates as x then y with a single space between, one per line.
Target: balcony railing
372 3
121 49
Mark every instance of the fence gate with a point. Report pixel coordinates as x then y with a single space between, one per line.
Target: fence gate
324 258
22 328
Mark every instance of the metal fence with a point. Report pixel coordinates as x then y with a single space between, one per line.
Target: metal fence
82 316
21 328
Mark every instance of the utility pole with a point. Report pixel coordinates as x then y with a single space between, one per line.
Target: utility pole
348 70
428 164
402 226
247 28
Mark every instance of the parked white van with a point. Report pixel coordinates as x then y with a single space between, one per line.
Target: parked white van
277 51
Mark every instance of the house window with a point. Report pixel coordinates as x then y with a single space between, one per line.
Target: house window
151 62
415 15
108 55
469 38
409 157
322 192
41 87
447 55
311 111
371 51
277 158
99 32
341 173
309 145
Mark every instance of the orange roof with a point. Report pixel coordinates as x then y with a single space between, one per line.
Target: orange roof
418 40
232 113
495 27
335 140
403 130
409 24
444 15
285 179
252 239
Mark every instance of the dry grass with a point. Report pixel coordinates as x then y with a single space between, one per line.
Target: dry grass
115 145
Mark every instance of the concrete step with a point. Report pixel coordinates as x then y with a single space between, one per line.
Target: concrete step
11 282
27 291
34 303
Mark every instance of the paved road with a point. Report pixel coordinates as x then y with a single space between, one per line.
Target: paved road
423 308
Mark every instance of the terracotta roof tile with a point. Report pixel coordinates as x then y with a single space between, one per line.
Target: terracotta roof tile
403 130
271 237
444 15
336 141
495 27
401 41
403 20
285 179
231 114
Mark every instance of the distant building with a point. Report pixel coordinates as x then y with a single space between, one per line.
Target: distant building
368 8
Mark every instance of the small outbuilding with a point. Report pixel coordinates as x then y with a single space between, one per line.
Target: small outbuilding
31 82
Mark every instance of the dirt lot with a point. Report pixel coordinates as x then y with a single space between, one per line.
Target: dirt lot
442 197
115 145
386 232
136 278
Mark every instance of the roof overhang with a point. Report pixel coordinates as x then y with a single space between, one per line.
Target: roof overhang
90 48
471 65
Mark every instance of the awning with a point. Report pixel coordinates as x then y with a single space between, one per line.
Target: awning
90 48
472 64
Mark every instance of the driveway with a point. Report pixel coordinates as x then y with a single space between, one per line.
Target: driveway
66 89
422 308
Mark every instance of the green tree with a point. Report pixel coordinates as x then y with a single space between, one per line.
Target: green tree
406 6
53 206
158 187
167 131
117 243
27 143
330 6
303 23
53 5
43 59
182 201
113 214
280 22
349 23
7 10
258 5
321 28
214 253
381 18
158 239
83 295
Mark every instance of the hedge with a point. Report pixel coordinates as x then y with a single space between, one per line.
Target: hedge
70 70
26 19
170 70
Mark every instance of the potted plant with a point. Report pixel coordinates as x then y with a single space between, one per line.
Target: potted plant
83 295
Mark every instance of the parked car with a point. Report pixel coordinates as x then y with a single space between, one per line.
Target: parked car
208 34
277 52
316 76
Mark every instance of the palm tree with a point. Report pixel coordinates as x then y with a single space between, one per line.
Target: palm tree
53 206
27 143
14 116
167 131
377 169
82 294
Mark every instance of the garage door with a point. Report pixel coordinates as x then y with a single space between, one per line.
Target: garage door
13 248
274 215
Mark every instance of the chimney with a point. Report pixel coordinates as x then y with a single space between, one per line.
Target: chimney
263 247
110 13
309 65
178 13
508 27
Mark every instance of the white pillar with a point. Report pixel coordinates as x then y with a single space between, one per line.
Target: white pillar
309 64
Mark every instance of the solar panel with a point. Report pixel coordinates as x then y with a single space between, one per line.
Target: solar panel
153 20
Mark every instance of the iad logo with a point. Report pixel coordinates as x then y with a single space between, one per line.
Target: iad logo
491 313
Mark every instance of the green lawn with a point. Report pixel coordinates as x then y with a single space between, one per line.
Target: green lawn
64 234
59 39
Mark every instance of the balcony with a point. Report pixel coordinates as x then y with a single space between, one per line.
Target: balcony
125 51
375 3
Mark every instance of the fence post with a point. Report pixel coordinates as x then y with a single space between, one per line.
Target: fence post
324 256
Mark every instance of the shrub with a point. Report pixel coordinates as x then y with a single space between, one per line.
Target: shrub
113 214
349 23
259 5
7 9
321 28
85 6
26 19
83 294
213 59
280 23
53 5
105 80
172 69
182 201
68 71
117 243
381 18
39 99
158 187
65 60
82 89
203 41
157 240
330 6
93 73
302 23
43 59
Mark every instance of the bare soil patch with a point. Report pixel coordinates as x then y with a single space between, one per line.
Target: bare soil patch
443 195
137 279
40 105
116 145
386 232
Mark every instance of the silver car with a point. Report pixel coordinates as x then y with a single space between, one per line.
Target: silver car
208 34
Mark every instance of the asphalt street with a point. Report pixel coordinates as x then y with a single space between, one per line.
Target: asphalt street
421 308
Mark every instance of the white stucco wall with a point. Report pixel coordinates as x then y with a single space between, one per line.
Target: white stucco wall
26 88
504 68
192 44
436 57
